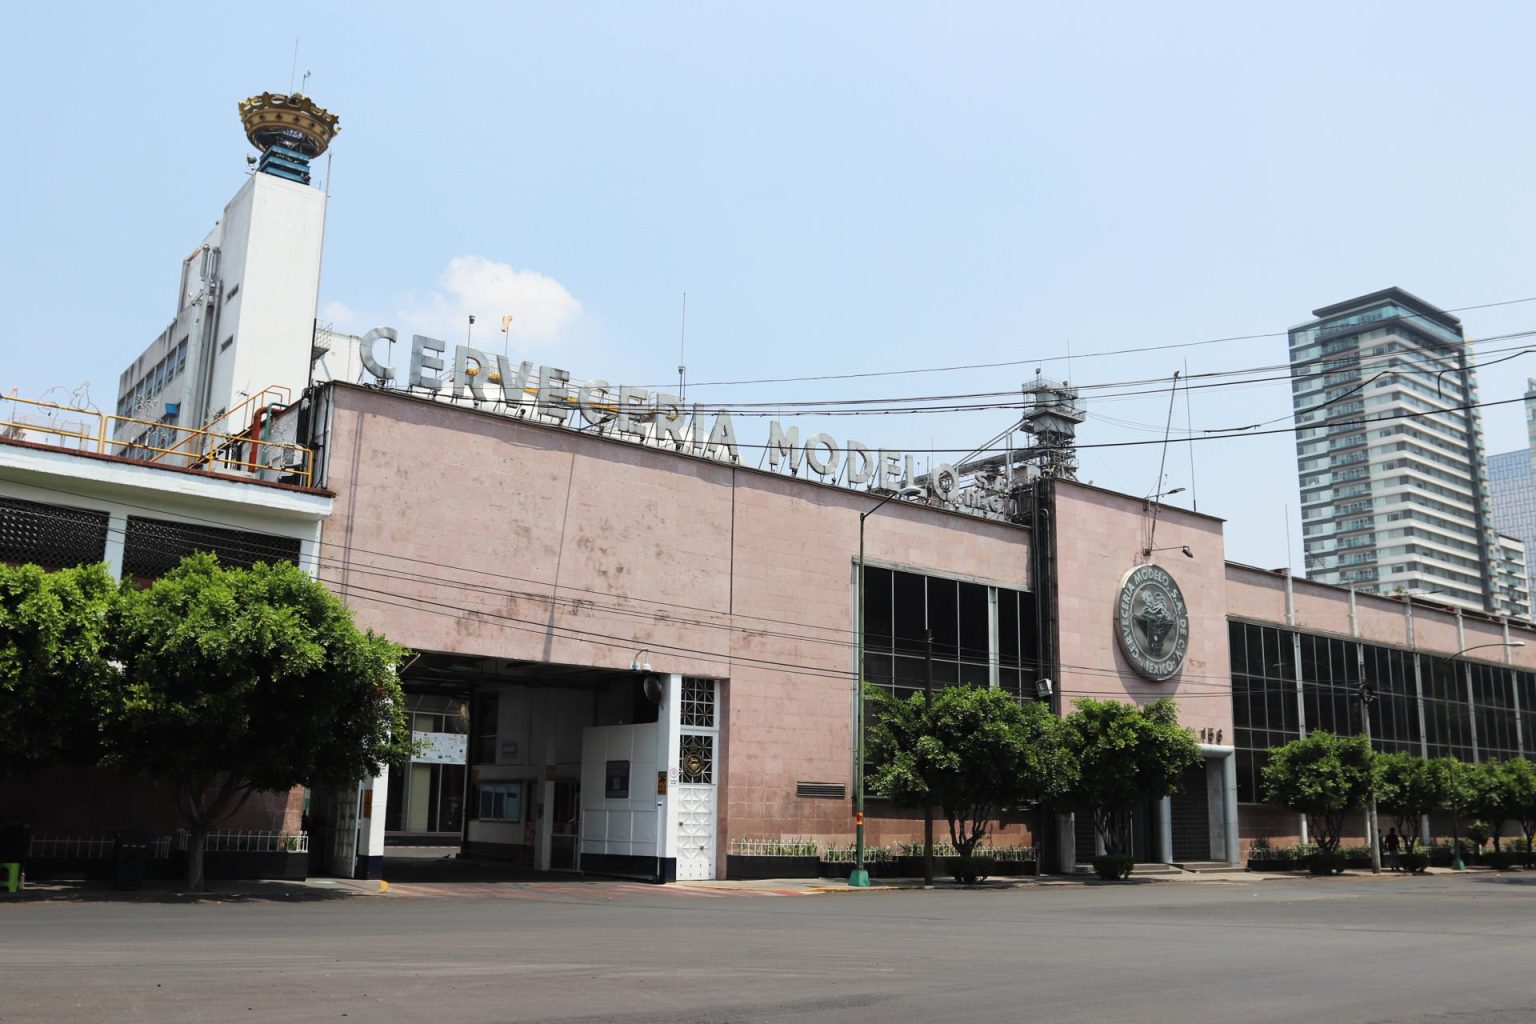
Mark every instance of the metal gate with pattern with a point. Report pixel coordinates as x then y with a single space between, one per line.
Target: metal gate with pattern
697 781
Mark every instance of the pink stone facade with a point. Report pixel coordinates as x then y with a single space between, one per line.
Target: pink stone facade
1256 595
1101 537
473 533
476 534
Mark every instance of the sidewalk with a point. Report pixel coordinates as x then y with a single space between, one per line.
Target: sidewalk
168 891
326 889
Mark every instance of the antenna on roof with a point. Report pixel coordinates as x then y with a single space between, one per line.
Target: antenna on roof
682 344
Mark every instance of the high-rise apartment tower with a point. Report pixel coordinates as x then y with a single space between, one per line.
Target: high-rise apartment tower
1394 481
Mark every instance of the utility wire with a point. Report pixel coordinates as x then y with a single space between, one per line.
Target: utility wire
1037 360
1189 686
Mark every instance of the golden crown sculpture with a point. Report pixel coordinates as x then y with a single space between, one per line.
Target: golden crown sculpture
273 119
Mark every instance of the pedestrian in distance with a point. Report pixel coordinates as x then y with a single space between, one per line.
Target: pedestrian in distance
1392 841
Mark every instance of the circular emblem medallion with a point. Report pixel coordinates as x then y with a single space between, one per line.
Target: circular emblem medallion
694 765
1152 622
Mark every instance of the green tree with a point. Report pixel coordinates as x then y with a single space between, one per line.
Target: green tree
1521 774
1408 787
971 752
1125 755
244 680
1322 776
1489 796
54 672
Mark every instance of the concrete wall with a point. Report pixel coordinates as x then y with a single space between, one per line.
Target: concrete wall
272 246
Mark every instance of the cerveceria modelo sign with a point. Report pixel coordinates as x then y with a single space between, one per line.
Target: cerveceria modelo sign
661 420
1152 622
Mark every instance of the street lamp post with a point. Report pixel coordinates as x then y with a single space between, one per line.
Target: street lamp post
859 876
1366 693
1456 861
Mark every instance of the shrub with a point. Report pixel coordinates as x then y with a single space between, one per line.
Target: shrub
1502 860
1326 863
972 869
1114 867
1414 862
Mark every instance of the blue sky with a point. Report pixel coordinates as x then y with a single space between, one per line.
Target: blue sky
838 189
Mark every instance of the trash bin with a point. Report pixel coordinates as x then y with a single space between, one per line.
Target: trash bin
130 857
15 843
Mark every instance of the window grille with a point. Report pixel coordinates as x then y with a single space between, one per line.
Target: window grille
154 546
698 708
696 759
52 536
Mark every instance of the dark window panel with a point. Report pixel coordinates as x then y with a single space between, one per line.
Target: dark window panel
975 616
944 617
911 611
877 608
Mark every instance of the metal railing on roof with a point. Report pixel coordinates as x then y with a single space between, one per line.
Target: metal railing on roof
87 430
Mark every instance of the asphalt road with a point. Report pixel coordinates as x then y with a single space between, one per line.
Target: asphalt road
1399 949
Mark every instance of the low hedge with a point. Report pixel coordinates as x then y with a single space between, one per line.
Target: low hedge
1327 863
1502 860
1114 867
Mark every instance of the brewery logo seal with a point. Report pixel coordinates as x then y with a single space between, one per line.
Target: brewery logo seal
1152 622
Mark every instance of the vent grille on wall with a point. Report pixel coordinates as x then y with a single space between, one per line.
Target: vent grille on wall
835 790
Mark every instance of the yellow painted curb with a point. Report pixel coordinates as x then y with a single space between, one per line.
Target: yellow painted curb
383 886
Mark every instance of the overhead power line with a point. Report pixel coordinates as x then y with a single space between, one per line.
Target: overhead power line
1040 360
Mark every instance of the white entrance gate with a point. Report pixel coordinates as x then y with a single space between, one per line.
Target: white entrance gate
697 781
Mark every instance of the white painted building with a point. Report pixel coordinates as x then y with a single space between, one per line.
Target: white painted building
242 335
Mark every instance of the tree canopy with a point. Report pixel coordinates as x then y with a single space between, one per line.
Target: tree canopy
1408 787
1490 795
1322 776
54 672
971 753
1520 774
1125 755
239 680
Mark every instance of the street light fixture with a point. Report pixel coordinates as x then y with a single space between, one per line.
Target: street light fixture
1456 861
859 876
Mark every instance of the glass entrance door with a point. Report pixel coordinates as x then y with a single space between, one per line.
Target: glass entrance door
565 843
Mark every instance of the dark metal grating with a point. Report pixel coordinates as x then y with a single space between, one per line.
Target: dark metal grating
52 536
1190 814
832 790
155 546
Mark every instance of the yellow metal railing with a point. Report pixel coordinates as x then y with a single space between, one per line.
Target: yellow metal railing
163 443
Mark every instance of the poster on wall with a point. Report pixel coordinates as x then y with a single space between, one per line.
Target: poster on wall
441 748
617 786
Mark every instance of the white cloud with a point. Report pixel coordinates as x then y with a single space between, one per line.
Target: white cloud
543 311
541 307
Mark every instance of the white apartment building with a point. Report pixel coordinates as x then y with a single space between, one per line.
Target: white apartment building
1393 476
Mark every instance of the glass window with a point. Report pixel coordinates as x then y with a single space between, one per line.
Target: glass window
499 801
975 619
944 616
483 724
877 609
910 611
962 616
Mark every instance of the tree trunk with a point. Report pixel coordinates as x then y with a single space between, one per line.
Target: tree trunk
197 842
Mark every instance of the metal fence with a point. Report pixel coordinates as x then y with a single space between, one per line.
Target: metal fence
255 841
99 845
86 846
